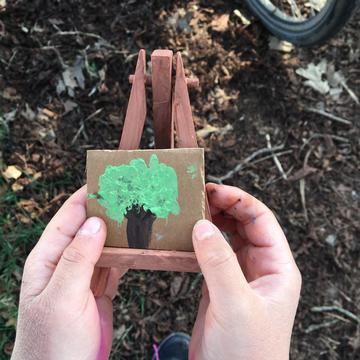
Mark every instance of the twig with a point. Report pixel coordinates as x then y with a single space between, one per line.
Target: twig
303 199
278 154
317 136
11 59
271 182
275 158
82 127
315 327
87 34
338 309
350 92
245 162
241 164
330 116
57 52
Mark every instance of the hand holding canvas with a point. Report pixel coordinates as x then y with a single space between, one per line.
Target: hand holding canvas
248 305
59 318
251 294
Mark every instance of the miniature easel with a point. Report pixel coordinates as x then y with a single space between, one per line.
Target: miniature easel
171 107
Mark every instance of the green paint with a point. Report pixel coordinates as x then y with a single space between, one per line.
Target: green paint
192 170
153 187
92 196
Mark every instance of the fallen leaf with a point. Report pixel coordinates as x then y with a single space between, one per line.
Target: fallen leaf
245 21
72 78
28 113
49 113
11 172
176 285
314 75
302 173
22 218
16 187
69 106
10 93
316 4
280 45
10 116
206 131
220 23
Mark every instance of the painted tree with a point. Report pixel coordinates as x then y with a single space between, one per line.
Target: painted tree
140 193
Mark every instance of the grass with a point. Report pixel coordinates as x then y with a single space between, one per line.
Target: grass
16 240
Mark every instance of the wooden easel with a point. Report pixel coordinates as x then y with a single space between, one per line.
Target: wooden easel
171 107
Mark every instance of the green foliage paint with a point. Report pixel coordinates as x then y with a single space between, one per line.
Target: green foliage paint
192 170
153 188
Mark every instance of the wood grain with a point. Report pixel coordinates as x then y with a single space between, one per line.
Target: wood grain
149 259
192 82
161 65
179 114
182 116
136 110
130 140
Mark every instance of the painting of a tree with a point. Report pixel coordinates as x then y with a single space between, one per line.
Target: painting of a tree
141 193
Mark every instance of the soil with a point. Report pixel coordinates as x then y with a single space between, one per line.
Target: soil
247 91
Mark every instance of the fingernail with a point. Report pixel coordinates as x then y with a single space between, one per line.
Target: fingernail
203 229
90 227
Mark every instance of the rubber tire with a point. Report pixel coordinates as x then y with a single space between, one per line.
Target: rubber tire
314 31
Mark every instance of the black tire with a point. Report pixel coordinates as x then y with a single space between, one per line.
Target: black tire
313 31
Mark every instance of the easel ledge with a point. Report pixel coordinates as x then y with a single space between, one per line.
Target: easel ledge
140 259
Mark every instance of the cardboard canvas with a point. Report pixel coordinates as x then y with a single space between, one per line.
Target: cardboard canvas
148 198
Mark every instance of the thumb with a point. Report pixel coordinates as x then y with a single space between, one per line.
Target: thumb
219 264
72 276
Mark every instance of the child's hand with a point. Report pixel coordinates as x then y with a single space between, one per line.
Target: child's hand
59 318
251 294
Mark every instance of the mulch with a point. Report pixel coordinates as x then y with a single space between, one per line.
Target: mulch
246 92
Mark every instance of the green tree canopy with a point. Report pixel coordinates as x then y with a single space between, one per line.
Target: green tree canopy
154 187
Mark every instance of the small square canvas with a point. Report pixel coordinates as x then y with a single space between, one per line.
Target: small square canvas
149 199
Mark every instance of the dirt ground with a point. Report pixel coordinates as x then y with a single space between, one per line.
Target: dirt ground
247 90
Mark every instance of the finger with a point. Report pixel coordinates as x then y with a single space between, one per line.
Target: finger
105 309
72 276
198 329
218 264
256 223
60 231
113 282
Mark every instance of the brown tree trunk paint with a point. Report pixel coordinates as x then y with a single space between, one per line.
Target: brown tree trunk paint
139 227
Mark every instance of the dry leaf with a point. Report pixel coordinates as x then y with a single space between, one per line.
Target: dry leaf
314 75
302 173
280 45
220 23
10 93
245 21
22 218
28 113
11 172
49 113
316 4
206 131
16 187
176 286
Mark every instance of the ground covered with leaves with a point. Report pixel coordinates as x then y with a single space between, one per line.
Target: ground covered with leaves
64 69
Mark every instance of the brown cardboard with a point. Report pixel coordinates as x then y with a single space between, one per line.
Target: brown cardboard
171 233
